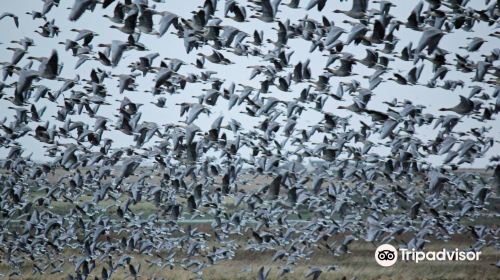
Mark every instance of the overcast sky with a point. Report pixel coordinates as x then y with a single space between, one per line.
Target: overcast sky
171 46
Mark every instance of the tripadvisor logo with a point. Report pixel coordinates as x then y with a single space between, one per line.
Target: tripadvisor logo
387 255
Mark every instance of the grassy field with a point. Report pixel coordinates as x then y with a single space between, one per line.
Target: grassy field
358 264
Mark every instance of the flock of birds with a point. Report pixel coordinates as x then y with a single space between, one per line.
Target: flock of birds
286 193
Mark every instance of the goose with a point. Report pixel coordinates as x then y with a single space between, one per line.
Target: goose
465 107
117 49
216 57
345 68
129 23
11 15
238 11
79 7
474 44
85 34
118 13
320 4
165 22
430 39
17 55
357 11
268 10
49 67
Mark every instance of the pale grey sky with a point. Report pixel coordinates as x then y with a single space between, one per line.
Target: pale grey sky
171 46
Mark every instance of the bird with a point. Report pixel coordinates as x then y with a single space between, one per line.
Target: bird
79 7
465 106
267 10
187 136
313 272
129 23
165 22
430 39
474 44
11 15
357 11
117 50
